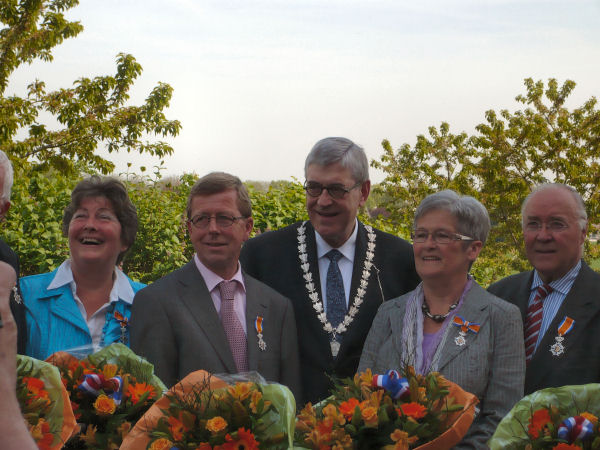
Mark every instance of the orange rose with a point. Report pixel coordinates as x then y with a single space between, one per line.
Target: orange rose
105 405
161 444
589 416
369 415
216 424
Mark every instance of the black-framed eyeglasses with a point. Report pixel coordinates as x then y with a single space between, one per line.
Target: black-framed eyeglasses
336 191
438 236
223 221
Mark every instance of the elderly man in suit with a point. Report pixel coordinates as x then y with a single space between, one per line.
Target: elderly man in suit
336 270
8 255
560 298
209 314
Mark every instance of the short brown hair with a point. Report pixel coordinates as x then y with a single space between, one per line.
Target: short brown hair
116 193
217 182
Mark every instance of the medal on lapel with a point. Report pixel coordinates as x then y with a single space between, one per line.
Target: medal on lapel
258 324
465 327
565 326
123 323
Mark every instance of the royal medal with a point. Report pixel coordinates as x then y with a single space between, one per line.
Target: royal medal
335 347
565 326
465 327
123 323
258 324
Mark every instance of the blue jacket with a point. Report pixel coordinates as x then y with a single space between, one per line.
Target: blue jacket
54 321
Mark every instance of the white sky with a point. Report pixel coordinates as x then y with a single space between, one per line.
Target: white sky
258 82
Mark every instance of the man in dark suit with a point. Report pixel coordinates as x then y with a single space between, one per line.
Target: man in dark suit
560 298
209 314
6 253
336 270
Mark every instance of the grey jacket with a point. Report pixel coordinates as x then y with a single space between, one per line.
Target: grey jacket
490 365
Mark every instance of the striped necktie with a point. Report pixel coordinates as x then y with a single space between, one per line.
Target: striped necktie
533 321
334 290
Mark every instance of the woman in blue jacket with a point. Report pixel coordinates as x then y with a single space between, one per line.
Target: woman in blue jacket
86 302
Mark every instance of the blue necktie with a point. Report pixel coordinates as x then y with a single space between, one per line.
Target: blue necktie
336 298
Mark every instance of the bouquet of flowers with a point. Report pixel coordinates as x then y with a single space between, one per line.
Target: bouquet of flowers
217 412
109 391
44 403
388 411
553 418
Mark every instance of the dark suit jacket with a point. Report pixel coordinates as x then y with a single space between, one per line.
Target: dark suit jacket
490 365
174 324
273 258
580 363
18 309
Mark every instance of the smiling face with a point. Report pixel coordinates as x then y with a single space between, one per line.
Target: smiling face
219 247
553 253
443 262
95 233
334 218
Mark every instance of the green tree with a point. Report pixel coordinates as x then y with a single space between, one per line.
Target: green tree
510 153
91 113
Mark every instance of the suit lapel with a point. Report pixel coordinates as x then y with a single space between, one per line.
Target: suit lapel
472 311
64 307
255 307
578 304
195 296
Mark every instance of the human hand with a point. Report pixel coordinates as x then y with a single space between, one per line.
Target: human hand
8 330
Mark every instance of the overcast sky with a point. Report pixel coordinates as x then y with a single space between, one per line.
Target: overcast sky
257 83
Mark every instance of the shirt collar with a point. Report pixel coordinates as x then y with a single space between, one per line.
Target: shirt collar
562 284
212 280
347 248
121 289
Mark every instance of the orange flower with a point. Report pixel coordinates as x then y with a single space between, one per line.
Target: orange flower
161 444
566 447
589 416
369 415
176 427
245 440
538 421
36 387
105 405
135 391
402 440
42 435
109 370
414 410
240 391
255 399
331 412
347 408
204 446
124 429
216 424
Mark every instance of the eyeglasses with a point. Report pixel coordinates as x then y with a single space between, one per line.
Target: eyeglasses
438 236
336 191
553 226
202 221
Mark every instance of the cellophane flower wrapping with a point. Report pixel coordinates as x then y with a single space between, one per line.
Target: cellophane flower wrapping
206 411
109 391
433 413
534 421
44 403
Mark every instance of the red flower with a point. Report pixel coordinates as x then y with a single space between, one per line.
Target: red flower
347 408
538 422
135 391
414 410
245 441
566 447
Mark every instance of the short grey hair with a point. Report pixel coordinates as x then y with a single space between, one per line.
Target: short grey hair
333 150
6 165
471 216
580 211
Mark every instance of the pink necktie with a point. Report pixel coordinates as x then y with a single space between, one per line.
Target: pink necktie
533 321
233 327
